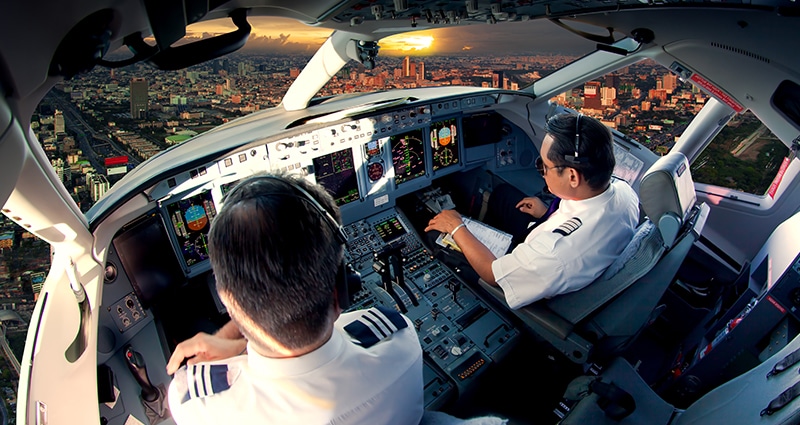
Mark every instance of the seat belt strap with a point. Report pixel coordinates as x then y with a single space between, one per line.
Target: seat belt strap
782 400
484 204
785 363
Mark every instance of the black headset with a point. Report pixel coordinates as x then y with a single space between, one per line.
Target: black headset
574 159
348 281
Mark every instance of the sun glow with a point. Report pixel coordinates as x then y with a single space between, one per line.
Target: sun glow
404 43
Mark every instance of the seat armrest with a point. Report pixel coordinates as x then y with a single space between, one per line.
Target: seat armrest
535 315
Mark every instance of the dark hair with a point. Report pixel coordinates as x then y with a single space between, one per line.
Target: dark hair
595 148
276 256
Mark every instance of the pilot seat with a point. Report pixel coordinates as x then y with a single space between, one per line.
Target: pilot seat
759 396
603 318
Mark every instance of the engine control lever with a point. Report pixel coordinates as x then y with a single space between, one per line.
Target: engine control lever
137 367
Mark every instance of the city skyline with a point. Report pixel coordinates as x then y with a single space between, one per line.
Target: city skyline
287 36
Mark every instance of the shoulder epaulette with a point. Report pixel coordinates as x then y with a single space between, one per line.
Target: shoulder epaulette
569 226
205 380
375 325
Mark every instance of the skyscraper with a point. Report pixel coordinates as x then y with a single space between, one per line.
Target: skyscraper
58 122
670 82
591 95
420 71
497 80
406 66
139 98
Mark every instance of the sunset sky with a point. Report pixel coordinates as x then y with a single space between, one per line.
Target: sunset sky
532 37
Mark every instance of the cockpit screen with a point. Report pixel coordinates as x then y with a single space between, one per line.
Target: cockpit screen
227 187
445 142
408 156
191 221
390 229
335 172
148 258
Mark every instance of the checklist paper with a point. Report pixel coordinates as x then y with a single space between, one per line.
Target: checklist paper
497 241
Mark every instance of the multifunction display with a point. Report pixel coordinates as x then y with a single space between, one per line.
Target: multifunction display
445 143
336 173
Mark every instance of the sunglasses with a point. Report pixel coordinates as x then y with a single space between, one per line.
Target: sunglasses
544 169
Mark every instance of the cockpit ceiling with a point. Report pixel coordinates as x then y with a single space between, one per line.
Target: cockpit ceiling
379 18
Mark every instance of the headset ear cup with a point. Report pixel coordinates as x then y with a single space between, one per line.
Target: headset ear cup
348 281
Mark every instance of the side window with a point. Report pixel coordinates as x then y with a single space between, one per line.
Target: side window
744 156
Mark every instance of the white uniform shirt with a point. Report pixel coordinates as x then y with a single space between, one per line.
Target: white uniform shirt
571 248
340 382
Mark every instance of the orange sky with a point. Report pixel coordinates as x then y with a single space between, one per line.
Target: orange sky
281 34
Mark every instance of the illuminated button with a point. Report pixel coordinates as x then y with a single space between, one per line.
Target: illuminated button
456 351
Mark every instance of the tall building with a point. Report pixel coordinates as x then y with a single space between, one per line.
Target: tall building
670 82
99 186
608 96
591 95
139 98
497 80
58 122
612 80
406 66
420 71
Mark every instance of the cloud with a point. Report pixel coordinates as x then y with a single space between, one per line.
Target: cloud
466 48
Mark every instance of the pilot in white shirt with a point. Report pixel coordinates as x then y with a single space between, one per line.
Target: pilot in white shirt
571 248
276 250
592 225
345 381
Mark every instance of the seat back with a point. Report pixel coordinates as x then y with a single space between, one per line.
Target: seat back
617 305
667 197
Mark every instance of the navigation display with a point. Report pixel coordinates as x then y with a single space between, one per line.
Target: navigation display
445 143
335 172
191 221
390 229
408 156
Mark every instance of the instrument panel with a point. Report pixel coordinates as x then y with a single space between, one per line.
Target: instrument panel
365 164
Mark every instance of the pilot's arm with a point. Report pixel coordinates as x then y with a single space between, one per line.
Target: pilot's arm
477 254
533 206
227 342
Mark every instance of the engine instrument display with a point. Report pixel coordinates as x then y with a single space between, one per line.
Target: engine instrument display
191 220
444 142
390 229
408 156
336 173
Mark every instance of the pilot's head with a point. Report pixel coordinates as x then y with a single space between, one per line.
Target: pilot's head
577 156
275 259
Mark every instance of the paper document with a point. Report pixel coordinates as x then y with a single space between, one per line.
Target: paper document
497 241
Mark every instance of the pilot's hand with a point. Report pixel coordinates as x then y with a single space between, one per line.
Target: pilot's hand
203 348
533 206
446 221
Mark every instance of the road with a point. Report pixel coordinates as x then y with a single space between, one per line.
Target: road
95 145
